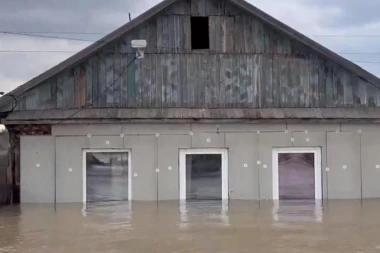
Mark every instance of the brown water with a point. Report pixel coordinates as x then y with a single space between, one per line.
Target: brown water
207 227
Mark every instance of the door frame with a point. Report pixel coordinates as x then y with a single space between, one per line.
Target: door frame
204 151
299 150
84 169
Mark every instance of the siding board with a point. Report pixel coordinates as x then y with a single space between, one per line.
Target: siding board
249 65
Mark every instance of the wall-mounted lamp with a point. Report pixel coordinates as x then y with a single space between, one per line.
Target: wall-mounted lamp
140 46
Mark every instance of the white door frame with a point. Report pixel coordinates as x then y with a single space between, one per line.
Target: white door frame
84 175
317 168
204 151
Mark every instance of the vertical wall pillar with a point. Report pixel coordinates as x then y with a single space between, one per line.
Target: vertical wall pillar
13 173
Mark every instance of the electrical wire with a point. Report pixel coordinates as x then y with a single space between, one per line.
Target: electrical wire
104 33
101 94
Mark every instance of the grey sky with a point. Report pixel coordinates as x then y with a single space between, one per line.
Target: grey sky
311 17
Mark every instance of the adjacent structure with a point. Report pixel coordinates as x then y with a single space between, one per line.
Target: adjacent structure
228 103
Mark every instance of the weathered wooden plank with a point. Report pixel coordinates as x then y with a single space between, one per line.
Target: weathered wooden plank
217 85
109 87
314 75
53 93
69 89
32 100
212 7
190 79
152 87
371 95
238 35
249 84
227 28
276 82
201 7
322 83
139 82
124 80
187 33
268 102
102 97
298 81
146 81
182 81
329 95
89 74
171 34
248 35
159 81
284 80
235 80
152 38
362 96
256 81
60 92
80 86
347 89
43 92
174 79
117 72
305 83
165 36
336 87
208 89
228 82
179 8
201 82
160 32
132 85
259 37
243 81
166 92
212 33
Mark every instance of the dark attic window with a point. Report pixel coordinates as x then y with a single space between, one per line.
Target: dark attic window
200 38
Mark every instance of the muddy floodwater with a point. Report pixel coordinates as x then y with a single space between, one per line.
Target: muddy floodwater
204 227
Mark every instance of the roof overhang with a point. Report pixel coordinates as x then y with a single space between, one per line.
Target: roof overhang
118 115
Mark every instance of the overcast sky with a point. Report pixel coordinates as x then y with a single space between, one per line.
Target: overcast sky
347 21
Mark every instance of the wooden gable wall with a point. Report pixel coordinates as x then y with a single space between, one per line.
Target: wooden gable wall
249 65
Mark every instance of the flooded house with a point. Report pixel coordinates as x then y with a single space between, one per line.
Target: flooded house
224 102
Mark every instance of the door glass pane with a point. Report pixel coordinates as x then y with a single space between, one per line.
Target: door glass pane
107 176
296 176
204 177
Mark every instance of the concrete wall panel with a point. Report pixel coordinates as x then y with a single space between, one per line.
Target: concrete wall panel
313 127
83 130
246 128
69 155
144 164
355 128
106 142
208 140
268 141
237 128
162 129
168 163
314 139
242 165
343 161
37 169
370 164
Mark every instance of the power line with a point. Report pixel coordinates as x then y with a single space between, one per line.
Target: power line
102 93
104 33
46 36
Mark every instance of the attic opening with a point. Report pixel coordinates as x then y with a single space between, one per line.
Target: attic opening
200 36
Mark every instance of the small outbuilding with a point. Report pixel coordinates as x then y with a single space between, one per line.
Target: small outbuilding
225 102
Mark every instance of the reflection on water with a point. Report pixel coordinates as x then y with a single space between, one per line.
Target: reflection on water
210 226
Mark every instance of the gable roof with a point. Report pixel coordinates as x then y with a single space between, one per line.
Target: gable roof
93 48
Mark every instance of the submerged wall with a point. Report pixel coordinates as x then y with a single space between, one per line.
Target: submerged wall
51 166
